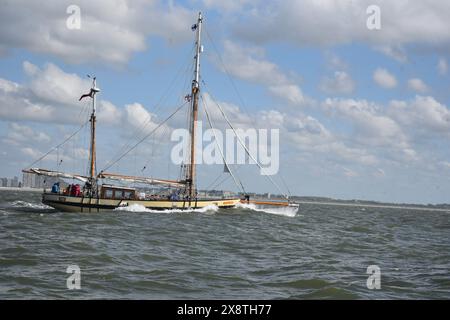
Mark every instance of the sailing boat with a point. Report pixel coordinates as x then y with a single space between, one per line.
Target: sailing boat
96 197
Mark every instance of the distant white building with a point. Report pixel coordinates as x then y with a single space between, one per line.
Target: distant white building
7 182
31 180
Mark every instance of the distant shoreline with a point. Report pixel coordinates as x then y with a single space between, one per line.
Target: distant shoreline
367 205
326 202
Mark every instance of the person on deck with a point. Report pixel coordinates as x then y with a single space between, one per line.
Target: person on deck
55 187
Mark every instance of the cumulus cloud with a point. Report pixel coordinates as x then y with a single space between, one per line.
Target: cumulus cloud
111 31
341 82
442 66
422 115
371 126
49 95
384 78
334 62
227 6
326 23
19 134
394 51
307 134
250 64
299 133
417 85
140 123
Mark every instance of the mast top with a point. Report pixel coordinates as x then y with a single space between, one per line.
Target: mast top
94 87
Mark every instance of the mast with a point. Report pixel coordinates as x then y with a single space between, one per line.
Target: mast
93 155
195 96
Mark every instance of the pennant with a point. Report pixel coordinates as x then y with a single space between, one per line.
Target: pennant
194 27
90 95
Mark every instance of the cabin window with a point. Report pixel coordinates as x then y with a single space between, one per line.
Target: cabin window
108 194
127 194
118 194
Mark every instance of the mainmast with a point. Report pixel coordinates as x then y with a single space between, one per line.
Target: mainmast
195 96
94 91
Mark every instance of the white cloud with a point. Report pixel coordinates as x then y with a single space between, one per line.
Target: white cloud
290 92
384 78
418 85
334 62
329 22
21 134
249 63
239 118
137 115
341 82
108 113
422 115
372 127
227 6
350 173
307 134
142 122
8 86
50 95
445 164
53 84
396 52
31 153
442 66
111 31
298 133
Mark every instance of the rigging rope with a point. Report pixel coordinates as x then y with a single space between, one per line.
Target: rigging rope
230 78
245 147
218 184
212 183
220 149
141 129
284 183
59 145
144 138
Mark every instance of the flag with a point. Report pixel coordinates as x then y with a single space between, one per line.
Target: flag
90 94
194 27
187 98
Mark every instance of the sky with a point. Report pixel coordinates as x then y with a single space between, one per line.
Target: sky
362 112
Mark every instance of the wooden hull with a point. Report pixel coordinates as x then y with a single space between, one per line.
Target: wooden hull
79 204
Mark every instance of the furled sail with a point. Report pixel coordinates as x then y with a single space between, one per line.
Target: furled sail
56 174
125 178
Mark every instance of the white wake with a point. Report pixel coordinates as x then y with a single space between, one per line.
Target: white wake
281 211
140 208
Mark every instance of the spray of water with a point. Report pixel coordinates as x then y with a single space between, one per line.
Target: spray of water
281 211
140 208
24 204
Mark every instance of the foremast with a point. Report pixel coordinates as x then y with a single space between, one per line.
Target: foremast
194 114
92 151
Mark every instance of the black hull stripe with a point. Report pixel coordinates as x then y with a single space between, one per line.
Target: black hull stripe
110 207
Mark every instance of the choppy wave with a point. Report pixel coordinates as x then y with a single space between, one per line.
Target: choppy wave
241 253
28 205
140 208
282 211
